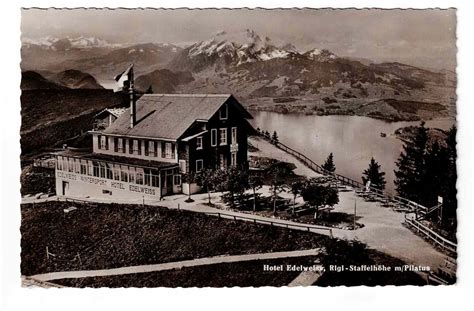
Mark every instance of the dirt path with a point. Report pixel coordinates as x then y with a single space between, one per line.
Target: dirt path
307 278
265 149
171 265
383 229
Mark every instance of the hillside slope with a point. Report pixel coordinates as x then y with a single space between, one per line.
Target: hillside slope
75 79
49 116
31 80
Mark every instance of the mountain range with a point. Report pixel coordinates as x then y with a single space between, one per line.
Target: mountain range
268 76
67 79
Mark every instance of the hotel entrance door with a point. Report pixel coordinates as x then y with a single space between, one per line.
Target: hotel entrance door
169 184
65 187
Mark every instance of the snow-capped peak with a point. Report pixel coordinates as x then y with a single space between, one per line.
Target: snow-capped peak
321 55
247 47
243 47
73 42
290 48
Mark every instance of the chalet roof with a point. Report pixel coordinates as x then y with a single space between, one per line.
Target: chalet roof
113 111
170 115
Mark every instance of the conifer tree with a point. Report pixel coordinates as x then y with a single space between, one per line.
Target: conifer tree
275 137
373 173
449 190
329 164
411 169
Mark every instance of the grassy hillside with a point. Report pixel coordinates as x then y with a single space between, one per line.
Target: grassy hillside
114 235
49 116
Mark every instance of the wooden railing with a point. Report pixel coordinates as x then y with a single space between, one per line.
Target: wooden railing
309 228
402 202
433 236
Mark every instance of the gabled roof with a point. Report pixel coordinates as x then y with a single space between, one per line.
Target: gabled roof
170 115
117 112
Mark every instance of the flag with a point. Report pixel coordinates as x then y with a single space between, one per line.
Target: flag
123 79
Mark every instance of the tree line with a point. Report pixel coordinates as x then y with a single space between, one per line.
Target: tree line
426 170
315 192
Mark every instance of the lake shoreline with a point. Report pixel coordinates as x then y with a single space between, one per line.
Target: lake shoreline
385 109
353 140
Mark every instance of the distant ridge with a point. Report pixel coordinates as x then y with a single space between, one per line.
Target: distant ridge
31 80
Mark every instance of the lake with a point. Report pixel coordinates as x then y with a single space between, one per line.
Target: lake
353 140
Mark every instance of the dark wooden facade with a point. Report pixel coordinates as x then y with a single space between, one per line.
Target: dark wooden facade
217 155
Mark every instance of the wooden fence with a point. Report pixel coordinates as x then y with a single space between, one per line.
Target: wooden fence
402 203
305 227
309 228
442 242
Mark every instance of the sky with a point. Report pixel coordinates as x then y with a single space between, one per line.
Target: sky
425 38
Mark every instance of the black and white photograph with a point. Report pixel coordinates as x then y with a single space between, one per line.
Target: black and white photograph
238 147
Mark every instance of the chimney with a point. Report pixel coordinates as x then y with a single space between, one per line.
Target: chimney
133 108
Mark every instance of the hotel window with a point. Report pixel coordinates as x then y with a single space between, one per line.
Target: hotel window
173 151
90 168
169 149
233 159
139 176
223 112
177 180
151 149
213 137
124 174
234 136
77 166
103 144
70 166
120 147
223 136
96 169
59 163
131 174
199 143
108 171
130 146
147 173
116 172
199 165
102 169
136 147
83 167
163 149
155 179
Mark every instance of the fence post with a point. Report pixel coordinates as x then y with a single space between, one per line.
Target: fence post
79 257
